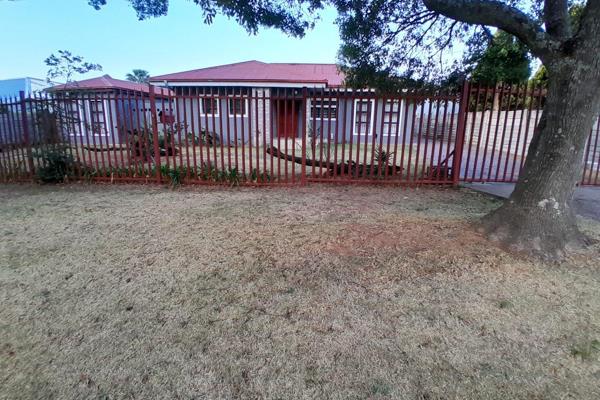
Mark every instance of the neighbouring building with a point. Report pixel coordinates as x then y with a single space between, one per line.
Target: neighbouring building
10 88
106 110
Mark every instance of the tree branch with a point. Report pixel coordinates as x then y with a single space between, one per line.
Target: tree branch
556 18
500 15
588 35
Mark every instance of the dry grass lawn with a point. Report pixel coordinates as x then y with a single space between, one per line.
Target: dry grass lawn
132 292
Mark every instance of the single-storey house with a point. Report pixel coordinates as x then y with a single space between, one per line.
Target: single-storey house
106 110
267 99
217 98
235 102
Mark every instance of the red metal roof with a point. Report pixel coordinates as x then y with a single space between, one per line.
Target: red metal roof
256 71
105 82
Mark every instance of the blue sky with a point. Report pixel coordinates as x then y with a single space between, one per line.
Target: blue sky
114 38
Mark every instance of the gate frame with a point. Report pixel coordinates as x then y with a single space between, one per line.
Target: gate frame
460 132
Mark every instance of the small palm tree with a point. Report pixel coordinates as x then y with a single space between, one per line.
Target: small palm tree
139 76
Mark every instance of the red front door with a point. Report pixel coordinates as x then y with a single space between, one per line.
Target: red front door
287 114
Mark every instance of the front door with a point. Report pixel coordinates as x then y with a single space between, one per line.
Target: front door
287 114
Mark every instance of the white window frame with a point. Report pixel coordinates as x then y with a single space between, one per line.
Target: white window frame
85 117
234 115
313 103
80 113
372 118
203 112
392 132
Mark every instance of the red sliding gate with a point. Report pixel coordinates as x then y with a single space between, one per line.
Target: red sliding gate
261 136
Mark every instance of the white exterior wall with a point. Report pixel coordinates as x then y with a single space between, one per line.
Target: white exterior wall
193 119
261 113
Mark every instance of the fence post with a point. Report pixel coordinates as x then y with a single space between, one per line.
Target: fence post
463 109
26 132
304 119
157 163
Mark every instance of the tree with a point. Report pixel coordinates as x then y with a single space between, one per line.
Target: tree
506 60
54 120
64 65
540 78
139 76
418 38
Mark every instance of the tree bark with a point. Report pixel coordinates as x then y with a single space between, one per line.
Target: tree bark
350 168
538 217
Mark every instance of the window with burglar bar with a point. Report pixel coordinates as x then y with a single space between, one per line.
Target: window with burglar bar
324 108
363 117
73 120
237 107
209 106
391 116
97 117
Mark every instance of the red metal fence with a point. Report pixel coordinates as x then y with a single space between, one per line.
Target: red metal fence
234 136
500 123
260 136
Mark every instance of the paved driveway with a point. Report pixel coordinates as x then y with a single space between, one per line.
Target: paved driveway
586 201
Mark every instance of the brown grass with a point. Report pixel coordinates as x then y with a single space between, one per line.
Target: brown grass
131 292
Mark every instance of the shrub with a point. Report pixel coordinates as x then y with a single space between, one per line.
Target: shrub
208 172
233 176
382 156
174 174
257 176
56 164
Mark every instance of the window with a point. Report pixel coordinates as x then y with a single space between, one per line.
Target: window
97 117
323 109
73 116
391 116
237 107
72 110
363 117
209 106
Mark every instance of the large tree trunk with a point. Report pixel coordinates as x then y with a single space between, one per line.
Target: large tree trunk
538 217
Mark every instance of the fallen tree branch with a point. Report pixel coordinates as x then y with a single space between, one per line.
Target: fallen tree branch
348 168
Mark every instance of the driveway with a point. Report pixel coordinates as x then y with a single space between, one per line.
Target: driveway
586 201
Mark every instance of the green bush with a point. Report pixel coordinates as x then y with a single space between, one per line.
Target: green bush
56 164
174 175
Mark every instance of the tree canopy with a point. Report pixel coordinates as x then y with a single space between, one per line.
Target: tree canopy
66 64
292 17
504 60
138 75
410 39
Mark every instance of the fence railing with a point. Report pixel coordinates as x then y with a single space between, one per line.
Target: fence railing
261 136
233 136
500 124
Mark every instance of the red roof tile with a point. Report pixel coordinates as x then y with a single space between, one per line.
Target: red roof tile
256 71
103 83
